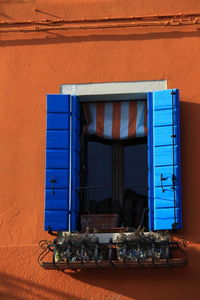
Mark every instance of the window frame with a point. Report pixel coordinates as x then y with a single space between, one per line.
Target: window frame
113 91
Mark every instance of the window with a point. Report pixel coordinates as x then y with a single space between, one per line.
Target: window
97 197
115 180
63 163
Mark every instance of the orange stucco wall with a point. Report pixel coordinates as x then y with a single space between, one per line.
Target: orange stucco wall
32 65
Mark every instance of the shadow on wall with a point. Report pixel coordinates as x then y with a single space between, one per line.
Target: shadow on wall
190 166
153 284
57 38
15 288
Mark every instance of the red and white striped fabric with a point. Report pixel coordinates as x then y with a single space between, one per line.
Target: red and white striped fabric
116 120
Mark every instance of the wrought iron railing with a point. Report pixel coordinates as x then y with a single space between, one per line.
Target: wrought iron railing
116 255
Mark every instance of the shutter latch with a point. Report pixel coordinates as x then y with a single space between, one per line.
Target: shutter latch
161 180
53 181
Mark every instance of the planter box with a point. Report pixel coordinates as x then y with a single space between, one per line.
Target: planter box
99 221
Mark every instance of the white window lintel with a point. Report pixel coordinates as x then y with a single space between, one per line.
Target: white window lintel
115 90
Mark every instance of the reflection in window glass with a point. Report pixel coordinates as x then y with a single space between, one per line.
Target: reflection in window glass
99 176
135 168
135 185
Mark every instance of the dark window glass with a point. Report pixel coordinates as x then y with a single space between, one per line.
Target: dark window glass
135 185
99 177
135 168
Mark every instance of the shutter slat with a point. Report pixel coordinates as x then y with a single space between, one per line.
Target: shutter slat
168 200
164 117
58 138
58 121
163 155
58 200
56 220
57 158
164 137
58 104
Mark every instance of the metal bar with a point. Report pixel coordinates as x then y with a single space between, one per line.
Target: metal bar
124 255
153 253
126 262
110 253
98 20
167 253
76 265
97 27
173 158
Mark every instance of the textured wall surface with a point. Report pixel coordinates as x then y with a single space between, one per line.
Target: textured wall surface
34 64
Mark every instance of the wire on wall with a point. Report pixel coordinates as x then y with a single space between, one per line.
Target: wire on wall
46 25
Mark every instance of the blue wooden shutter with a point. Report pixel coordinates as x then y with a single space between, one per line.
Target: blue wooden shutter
164 160
62 163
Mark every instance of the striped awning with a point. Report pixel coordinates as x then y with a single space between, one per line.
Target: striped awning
116 120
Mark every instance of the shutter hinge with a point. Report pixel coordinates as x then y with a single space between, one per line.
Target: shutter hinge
162 178
173 93
51 232
173 180
175 225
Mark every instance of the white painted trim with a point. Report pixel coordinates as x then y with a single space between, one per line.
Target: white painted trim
137 89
